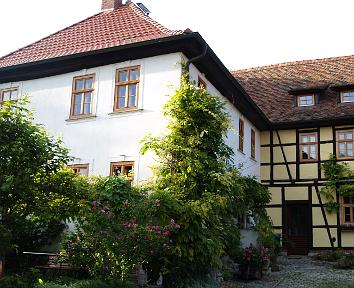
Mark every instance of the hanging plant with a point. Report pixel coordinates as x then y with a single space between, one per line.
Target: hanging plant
338 176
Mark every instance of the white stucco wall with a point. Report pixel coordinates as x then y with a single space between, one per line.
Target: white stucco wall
247 165
112 137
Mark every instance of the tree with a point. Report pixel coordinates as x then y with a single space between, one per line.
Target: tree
34 185
196 182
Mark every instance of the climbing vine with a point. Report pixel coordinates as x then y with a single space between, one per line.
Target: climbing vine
338 177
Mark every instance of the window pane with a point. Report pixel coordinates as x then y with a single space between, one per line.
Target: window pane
87 108
14 95
123 76
341 136
313 152
132 95
304 139
312 138
349 135
133 74
6 96
122 91
83 171
88 83
342 149
79 84
347 214
117 170
306 100
77 104
305 152
348 96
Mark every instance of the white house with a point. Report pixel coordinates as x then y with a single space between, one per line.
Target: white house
101 85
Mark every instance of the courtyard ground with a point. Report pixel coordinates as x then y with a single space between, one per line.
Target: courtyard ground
301 272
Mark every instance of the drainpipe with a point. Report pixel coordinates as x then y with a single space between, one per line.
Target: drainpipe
190 61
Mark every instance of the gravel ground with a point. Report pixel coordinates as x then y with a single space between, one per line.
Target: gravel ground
303 273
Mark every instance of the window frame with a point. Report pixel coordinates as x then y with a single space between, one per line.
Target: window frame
241 135
122 164
80 166
308 144
342 96
201 83
2 91
345 141
303 95
253 144
342 211
117 84
75 92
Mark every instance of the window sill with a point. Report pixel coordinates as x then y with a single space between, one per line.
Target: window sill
81 118
123 112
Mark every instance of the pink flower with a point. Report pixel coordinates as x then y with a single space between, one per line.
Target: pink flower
125 202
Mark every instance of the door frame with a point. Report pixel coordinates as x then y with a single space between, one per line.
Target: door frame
306 203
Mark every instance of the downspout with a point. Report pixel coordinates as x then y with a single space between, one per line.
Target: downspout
190 61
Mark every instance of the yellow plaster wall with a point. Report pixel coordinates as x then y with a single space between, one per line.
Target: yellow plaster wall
308 171
286 136
320 237
348 239
275 215
326 150
290 153
265 137
326 133
281 173
296 193
315 197
265 155
265 172
275 193
317 217
350 164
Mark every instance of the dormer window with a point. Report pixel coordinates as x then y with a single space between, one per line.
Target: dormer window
305 100
347 96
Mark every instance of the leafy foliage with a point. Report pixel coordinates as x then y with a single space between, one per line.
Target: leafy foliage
202 191
337 175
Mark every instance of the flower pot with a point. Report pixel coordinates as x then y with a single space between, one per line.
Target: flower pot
248 272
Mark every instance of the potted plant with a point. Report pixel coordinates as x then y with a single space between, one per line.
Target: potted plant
252 261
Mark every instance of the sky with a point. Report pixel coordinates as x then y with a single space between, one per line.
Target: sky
243 33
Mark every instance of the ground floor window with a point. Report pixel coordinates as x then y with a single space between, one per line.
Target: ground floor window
347 210
125 168
80 169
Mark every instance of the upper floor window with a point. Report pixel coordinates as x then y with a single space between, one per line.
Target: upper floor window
201 83
305 100
345 144
308 146
241 134
253 144
347 210
347 96
127 87
125 168
80 169
8 94
81 102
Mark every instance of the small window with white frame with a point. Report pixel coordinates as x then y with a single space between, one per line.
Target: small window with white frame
347 96
305 100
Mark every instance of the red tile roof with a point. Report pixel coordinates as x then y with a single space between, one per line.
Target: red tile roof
269 87
125 25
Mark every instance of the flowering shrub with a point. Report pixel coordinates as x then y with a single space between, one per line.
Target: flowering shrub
253 256
119 229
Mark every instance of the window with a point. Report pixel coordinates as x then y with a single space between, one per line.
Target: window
123 168
308 146
305 100
201 83
80 169
241 134
127 87
347 96
253 144
345 144
347 210
81 102
9 94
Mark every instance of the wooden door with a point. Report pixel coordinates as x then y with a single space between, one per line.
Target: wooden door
296 227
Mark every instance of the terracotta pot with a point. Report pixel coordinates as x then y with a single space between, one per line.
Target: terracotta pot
1 268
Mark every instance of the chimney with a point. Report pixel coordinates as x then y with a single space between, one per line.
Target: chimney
111 4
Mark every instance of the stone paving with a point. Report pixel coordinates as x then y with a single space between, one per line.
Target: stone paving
301 272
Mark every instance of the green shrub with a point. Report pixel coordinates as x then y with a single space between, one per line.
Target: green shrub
88 284
331 256
15 281
347 262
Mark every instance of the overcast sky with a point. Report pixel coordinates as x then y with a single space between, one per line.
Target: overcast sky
243 33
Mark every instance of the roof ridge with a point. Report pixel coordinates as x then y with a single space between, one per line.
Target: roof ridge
291 63
148 19
44 38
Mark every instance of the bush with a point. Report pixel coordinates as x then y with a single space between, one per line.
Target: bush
89 284
331 256
347 262
15 281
